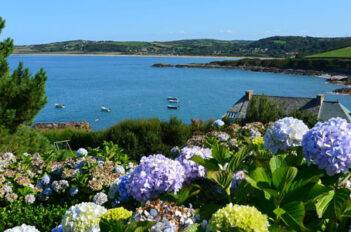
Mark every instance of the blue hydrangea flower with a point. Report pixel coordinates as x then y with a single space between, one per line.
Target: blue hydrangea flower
73 191
328 145
82 152
192 169
47 191
154 175
123 190
218 123
284 133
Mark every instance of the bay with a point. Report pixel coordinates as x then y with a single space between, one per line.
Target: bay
133 89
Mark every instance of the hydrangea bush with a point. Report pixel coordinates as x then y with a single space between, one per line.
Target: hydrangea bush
22 228
328 145
285 133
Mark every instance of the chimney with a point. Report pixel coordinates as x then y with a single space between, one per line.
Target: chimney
248 94
320 99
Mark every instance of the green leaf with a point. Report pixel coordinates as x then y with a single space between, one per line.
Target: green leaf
283 177
194 228
257 176
207 210
140 226
221 154
279 211
294 215
238 158
210 165
332 204
276 162
224 179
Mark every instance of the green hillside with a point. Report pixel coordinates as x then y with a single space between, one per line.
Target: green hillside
277 46
338 53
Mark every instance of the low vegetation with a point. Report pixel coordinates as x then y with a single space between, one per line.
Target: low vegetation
338 53
277 46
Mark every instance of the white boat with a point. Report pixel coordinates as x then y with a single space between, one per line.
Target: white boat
172 98
61 106
173 101
173 107
105 109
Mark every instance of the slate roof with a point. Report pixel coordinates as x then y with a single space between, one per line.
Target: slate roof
327 110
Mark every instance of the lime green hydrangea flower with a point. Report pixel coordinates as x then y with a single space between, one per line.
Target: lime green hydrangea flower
258 141
83 217
116 214
238 218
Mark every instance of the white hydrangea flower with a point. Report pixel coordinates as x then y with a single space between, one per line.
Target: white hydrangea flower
100 198
83 217
29 198
23 228
285 133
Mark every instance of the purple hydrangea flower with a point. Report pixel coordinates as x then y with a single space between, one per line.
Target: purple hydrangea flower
328 145
192 169
154 175
284 133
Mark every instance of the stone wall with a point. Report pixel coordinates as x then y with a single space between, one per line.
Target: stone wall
83 126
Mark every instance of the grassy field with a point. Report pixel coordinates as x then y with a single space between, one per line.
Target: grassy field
339 53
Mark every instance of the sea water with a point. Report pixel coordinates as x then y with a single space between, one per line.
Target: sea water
131 88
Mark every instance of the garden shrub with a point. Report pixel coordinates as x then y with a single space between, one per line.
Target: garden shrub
25 139
44 217
137 137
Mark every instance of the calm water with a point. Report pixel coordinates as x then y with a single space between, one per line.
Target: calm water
133 89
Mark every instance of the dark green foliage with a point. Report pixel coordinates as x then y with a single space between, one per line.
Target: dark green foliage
25 139
307 117
263 110
21 94
136 137
43 217
315 64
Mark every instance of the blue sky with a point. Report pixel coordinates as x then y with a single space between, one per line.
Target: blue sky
42 21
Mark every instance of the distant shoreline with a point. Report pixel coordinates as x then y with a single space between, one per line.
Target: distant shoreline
122 55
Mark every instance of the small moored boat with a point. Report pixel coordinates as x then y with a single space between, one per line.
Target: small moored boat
173 107
174 101
105 109
60 106
172 98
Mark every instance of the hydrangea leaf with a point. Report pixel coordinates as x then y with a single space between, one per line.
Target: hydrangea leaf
238 158
276 162
283 177
210 165
224 179
221 154
259 177
333 203
294 215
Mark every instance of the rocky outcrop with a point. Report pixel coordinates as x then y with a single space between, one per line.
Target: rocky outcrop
82 126
160 65
343 91
341 81
329 76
